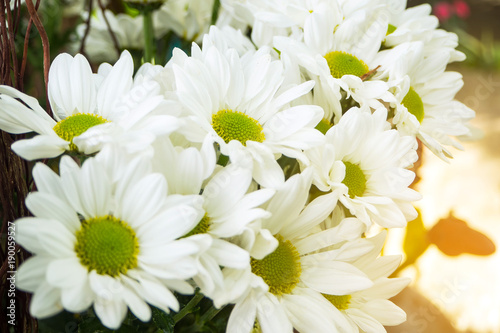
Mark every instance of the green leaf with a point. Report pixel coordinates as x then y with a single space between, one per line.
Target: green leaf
164 321
416 241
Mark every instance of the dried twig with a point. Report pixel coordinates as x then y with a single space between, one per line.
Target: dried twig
45 44
111 32
87 28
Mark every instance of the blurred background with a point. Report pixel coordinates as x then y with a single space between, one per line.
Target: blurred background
455 284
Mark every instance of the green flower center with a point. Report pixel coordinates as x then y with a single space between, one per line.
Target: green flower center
414 104
340 302
354 179
281 269
234 125
390 29
107 245
324 125
342 63
75 125
201 228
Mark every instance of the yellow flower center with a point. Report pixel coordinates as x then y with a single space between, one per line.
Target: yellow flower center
75 125
414 104
354 179
107 245
390 29
281 269
340 302
201 228
324 125
234 125
342 63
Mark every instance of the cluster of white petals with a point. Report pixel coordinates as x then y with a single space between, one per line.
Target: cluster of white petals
249 169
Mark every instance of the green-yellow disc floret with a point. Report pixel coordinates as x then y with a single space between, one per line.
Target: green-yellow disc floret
281 269
235 125
107 245
390 29
414 104
201 228
342 63
75 125
354 179
324 125
340 302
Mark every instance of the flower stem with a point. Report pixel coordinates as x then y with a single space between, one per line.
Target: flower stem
148 36
187 309
207 316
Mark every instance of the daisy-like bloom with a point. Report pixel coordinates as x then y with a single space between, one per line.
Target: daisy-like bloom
99 43
90 110
107 243
425 106
417 24
227 206
363 163
189 19
240 102
341 53
288 283
370 309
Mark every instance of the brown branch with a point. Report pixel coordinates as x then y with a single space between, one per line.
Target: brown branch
368 75
26 44
87 29
5 63
12 46
111 32
45 44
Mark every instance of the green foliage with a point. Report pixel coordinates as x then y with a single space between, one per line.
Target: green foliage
483 53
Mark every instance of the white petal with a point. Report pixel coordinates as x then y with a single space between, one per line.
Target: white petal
242 316
229 255
110 312
94 189
271 315
77 298
225 189
66 273
48 206
116 84
32 273
40 146
47 180
384 311
334 277
45 301
142 200
136 304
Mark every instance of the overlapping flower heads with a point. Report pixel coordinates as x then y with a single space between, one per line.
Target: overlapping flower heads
249 169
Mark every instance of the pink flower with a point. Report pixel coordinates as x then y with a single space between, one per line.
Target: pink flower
461 8
443 11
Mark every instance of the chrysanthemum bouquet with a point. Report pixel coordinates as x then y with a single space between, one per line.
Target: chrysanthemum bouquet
245 184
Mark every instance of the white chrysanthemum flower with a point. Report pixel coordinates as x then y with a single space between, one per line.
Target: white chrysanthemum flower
240 103
289 281
90 110
99 44
417 24
228 209
370 309
341 52
425 94
363 163
110 244
226 37
189 19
